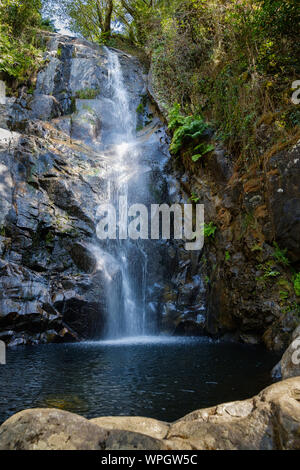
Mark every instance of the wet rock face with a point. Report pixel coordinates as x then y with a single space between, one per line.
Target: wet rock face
250 291
52 180
54 173
183 311
269 421
284 203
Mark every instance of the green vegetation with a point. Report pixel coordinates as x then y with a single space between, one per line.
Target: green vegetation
194 198
268 270
59 52
297 284
279 255
203 149
140 109
233 62
225 62
186 129
20 44
87 93
209 230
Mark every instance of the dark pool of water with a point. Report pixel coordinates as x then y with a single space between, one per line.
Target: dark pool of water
163 379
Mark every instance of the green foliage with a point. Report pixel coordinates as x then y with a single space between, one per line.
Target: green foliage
20 53
233 62
47 24
281 17
227 256
91 19
256 247
59 52
203 149
175 118
186 128
284 295
140 109
87 93
279 255
209 230
142 106
269 271
194 198
297 284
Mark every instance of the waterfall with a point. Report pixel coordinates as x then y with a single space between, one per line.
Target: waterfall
126 313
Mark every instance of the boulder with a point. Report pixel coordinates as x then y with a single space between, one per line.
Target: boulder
44 107
85 123
147 426
289 366
51 429
269 421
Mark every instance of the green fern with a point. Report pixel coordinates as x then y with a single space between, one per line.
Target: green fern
185 129
175 119
204 149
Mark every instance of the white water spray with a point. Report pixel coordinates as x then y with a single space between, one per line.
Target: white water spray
124 155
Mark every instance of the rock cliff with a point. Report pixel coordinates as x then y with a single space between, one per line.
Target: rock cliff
51 183
251 260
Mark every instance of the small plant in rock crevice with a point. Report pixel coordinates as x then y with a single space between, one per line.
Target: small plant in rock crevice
194 198
279 255
269 271
210 230
87 93
297 284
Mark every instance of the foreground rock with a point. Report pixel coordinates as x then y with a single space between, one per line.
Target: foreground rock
148 426
269 421
50 429
289 366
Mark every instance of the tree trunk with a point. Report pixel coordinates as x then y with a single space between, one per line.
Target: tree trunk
107 19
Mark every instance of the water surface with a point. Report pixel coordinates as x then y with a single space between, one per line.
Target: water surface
163 378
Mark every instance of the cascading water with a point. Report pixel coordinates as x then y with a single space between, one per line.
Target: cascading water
126 316
139 275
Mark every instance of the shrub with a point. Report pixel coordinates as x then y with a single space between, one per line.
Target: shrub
186 128
20 47
297 284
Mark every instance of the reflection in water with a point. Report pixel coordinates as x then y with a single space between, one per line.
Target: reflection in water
160 379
